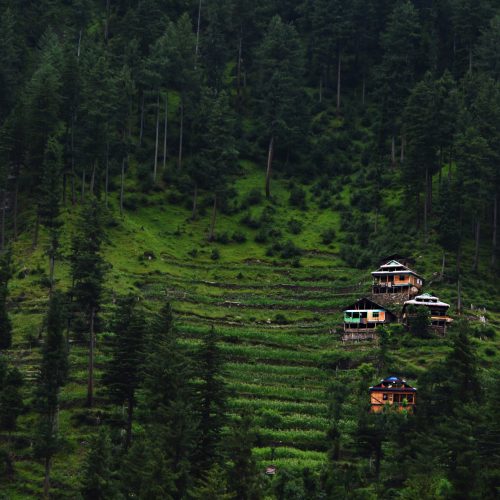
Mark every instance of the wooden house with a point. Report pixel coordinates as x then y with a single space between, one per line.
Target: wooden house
395 279
393 392
362 318
438 311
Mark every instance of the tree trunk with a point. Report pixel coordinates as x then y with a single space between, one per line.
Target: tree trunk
238 72
426 204
494 236
92 178
106 180
198 32
195 201
393 151
155 168
35 232
141 131
15 207
212 223
73 190
106 23
339 64
130 417
90 381
476 249
79 46
165 132
122 185
269 167
321 89
402 155
363 91
46 480
52 265
181 133
83 185
2 240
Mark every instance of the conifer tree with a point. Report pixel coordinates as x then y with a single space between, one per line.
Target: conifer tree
97 477
11 401
243 473
212 404
53 374
280 100
87 273
5 323
50 199
123 373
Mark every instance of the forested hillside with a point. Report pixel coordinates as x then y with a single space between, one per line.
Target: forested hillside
191 193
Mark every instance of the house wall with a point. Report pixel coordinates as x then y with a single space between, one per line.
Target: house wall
378 402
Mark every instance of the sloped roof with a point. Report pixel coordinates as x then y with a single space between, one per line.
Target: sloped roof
426 299
393 383
372 306
394 263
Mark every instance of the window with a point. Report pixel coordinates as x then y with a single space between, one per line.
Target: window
409 398
384 397
375 314
401 277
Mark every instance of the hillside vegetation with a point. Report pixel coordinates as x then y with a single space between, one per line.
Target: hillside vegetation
189 206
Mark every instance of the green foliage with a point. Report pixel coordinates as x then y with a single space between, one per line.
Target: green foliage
5 323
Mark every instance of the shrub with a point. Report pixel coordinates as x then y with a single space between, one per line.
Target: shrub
239 237
280 319
215 255
295 226
193 253
222 238
271 419
261 236
254 197
298 197
327 236
249 221
290 250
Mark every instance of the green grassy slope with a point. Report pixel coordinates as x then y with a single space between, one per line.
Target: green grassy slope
277 321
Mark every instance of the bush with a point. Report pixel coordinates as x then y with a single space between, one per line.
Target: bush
222 238
238 237
327 236
249 221
193 253
215 254
261 236
254 197
280 319
295 226
290 250
298 197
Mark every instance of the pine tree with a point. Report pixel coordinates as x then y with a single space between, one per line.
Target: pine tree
97 477
123 372
53 374
11 401
243 473
169 400
50 199
87 273
280 100
212 404
5 323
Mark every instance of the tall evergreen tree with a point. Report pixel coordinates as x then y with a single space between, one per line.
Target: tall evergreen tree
5 323
87 274
212 404
53 375
123 373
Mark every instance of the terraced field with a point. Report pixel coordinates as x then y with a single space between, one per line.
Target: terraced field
278 320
